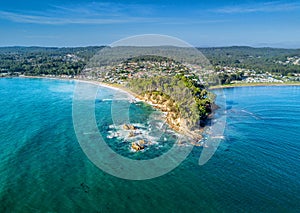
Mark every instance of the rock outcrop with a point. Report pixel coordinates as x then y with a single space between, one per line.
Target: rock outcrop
129 127
138 146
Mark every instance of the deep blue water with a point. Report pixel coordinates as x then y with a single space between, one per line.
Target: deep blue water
43 169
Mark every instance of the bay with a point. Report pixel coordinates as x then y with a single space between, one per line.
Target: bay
43 168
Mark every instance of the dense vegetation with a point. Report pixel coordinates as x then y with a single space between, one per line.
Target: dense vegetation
192 101
44 60
259 59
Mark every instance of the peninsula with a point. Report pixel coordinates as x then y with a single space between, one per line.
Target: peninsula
168 86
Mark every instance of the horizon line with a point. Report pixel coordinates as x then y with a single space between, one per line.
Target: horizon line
204 47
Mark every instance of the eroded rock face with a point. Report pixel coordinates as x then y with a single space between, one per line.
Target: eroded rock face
165 105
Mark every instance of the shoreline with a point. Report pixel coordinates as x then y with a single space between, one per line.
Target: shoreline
137 97
74 79
120 88
226 86
196 137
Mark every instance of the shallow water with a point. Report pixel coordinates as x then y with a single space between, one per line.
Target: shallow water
43 169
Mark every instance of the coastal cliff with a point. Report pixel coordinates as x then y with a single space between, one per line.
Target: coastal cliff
171 110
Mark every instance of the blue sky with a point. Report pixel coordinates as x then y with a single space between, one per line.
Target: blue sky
198 22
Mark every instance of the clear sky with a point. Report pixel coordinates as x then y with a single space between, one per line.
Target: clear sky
198 22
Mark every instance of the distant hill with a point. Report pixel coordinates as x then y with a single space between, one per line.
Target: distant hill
70 60
259 59
45 60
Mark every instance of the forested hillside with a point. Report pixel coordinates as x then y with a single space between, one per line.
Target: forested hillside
70 61
260 59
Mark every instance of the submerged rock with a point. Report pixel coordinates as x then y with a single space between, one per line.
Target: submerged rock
85 187
131 134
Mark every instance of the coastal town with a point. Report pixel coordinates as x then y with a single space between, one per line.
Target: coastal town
245 76
220 75
232 65
241 76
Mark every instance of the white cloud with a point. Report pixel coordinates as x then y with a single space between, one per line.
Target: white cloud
37 19
93 13
260 7
99 13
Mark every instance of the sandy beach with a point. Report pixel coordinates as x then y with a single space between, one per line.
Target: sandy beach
254 85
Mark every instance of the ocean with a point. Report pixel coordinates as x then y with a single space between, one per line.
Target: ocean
43 168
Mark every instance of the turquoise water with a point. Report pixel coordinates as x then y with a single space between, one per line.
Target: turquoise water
43 169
